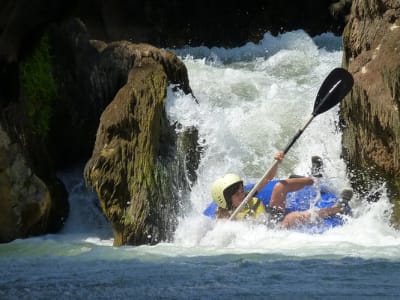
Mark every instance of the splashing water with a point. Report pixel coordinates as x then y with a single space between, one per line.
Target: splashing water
251 101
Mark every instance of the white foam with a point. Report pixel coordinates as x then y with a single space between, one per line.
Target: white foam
252 100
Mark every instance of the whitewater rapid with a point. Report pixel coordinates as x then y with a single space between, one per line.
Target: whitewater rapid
251 101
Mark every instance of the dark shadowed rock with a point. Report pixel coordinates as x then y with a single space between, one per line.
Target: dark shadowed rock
28 205
22 23
33 200
210 23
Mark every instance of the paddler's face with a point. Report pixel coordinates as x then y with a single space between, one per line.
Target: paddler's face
238 197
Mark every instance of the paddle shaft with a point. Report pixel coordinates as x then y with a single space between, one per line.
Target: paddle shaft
269 171
287 148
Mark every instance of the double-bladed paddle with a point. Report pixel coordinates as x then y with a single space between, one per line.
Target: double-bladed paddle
334 88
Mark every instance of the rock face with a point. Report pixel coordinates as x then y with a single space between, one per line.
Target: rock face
138 163
32 200
370 115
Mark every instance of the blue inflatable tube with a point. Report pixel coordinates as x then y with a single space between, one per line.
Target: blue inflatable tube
300 200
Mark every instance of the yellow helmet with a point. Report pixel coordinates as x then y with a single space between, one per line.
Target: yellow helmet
220 185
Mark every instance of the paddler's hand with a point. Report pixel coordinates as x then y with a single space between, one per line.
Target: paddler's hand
279 156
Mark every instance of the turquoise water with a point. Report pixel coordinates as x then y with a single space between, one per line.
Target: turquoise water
246 276
252 100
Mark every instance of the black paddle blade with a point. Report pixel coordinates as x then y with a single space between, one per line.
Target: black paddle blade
334 88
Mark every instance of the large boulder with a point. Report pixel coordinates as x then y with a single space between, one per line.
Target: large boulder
138 166
370 115
28 206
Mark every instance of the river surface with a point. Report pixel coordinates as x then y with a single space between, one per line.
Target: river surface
251 101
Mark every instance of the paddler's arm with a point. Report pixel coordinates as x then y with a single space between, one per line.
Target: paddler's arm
271 175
